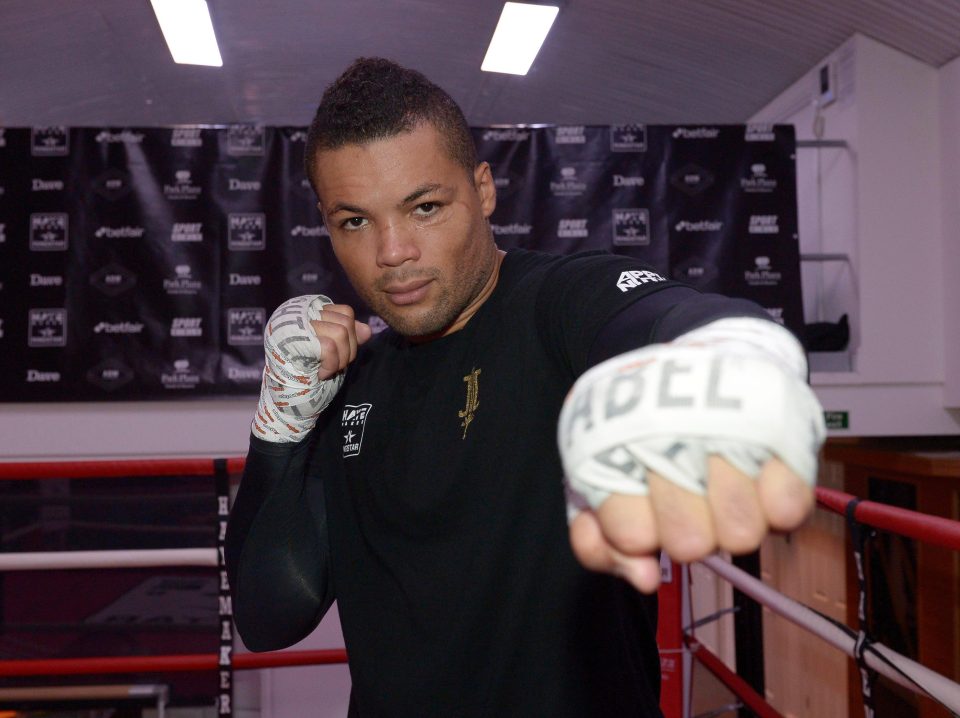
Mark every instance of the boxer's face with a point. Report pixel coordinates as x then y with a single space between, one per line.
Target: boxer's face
409 227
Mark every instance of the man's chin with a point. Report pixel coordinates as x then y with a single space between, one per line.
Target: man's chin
416 325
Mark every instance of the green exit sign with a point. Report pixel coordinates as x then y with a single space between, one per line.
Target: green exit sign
837 419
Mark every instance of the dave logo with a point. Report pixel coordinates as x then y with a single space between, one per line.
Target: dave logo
351 427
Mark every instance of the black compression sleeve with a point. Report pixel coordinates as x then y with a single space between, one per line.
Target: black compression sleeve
664 316
277 554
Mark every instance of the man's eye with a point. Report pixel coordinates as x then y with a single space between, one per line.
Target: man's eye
353 223
425 209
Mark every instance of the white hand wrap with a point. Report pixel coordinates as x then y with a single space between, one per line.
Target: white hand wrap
735 387
292 395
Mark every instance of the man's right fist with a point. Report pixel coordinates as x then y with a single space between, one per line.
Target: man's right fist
307 342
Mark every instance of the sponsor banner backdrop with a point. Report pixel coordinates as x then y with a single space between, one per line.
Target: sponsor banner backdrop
140 263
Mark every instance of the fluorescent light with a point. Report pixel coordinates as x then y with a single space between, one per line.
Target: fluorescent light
188 30
518 37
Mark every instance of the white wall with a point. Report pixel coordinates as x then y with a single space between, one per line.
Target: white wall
950 197
879 202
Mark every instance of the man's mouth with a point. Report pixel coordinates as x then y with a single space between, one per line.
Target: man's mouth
407 292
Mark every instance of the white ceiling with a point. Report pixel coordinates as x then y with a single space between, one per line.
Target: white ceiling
93 62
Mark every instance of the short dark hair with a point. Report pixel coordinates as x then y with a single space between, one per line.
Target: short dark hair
375 99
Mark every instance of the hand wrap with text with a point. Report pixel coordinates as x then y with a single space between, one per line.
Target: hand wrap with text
292 395
735 388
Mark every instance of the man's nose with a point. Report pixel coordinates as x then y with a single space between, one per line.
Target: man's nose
397 244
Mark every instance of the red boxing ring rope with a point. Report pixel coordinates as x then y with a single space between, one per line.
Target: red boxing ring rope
741 689
16 470
930 529
166 664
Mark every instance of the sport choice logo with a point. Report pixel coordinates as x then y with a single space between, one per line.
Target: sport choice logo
764 224
245 140
246 232
186 137
113 279
637 277
49 141
352 423
572 229
186 232
245 325
758 180
47 328
570 135
628 138
48 231
760 133
186 327
631 227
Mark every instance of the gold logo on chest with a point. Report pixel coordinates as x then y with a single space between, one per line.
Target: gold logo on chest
473 400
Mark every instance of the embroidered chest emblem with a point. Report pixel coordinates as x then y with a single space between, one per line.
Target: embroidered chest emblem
352 422
472 381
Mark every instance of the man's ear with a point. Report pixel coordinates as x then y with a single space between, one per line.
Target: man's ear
486 189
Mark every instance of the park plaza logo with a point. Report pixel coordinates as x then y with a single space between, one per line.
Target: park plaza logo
186 327
246 231
239 185
572 229
118 328
352 423
759 132
514 229
568 184
183 282
47 327
245 325
35 376
758 180
696 133
631 227
245 140
128 137
571 135
316 231
187 232
628 181
181 376
45 280
762 274
110 374
49 141
244 280
628 138
125 232
38 184
186 137
48 231
113 279
182 188
698 226
505 134
764 224
637 277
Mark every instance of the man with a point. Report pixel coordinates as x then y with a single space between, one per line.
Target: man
416 477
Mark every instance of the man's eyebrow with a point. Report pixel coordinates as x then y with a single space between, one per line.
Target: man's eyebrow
342 207
418 193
